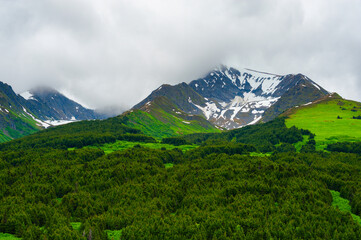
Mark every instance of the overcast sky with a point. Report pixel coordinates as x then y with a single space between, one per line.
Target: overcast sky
115 52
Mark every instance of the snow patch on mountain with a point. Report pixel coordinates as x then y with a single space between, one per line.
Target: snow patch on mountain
39 122
27 95
210 110
58 122
237 96
256 119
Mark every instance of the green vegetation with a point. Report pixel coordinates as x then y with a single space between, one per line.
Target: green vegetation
7 236
248 183
331 120
346 147
168 165
75 225
4 138
299 145
114 235
122 145
265 137
168 126
17 125
257 154
79 134
343 205
220 194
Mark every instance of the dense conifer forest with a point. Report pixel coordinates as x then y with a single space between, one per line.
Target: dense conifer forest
249 183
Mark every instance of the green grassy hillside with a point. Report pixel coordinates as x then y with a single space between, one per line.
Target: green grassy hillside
15 120
123 145
161 118
332 119
171 126
15 125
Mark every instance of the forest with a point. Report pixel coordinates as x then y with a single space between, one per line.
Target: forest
249 183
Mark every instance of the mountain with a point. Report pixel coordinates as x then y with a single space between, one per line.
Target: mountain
21 115
49 105
161 117
304 91
15 119
230 98
332 119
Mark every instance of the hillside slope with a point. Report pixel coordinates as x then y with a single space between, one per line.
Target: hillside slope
49 104
332 119
21 115
160 117
305 91
15 119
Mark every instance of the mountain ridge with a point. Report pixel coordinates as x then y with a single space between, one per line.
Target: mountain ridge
49 105
29 112
231 98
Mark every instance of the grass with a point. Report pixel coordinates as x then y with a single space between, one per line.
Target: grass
256 154
168 127
7 236
343 205
114 234
4 137
322 120
299 145
23 125
75 225
122 145
168 165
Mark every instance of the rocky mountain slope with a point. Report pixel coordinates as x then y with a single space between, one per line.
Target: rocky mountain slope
15 120
232 98
50 105
21 115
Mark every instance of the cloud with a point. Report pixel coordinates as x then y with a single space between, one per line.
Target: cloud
114 53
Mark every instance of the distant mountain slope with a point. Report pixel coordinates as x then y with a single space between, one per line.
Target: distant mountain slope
305 91
331 118
231 98
160 117
49 104
36 110
15 119
182 95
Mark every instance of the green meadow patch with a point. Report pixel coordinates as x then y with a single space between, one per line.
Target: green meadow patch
257 154
114 234
168 165
75 225
7 236
343 205
123 145
170 126
299 145
332 121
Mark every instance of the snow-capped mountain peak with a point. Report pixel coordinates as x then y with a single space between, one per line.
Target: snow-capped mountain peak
243 95
233 98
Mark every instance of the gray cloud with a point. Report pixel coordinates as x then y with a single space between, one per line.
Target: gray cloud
114 53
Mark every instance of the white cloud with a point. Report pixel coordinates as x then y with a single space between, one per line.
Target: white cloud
116 52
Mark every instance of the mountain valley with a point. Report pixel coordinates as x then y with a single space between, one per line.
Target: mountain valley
288 167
